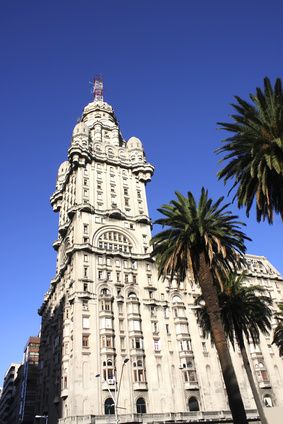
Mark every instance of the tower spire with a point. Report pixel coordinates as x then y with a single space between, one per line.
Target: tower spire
98 89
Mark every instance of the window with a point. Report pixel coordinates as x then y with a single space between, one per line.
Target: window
100 275
86 239
105 305
66 348
106 341
156 344
137 343
85 340
85 322
85 272
141 407
126 191
139 194
85 258
108 370
85 287
85 305
109 407
138 369
65 382
176 299
182 329
155 327
100 260
267 399
113 241
118 277
193 404
135 325
105 323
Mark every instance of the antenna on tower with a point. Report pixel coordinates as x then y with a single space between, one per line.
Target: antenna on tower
98 88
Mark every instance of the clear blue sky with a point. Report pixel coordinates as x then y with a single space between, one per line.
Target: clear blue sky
170 69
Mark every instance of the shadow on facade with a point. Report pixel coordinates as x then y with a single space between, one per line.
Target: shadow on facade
50 360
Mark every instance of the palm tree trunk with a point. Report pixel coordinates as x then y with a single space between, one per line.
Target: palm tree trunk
212 305
248 369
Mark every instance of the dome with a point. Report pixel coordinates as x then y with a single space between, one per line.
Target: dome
63 168
80 129
134 143
62 172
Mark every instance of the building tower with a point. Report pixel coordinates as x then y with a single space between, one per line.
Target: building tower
106 312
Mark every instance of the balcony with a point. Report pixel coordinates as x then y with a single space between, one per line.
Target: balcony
140 385
191 385
64 393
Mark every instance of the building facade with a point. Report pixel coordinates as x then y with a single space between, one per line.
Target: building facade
8 394
20 398
108 324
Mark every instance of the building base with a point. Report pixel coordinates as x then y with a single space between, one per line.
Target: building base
180 417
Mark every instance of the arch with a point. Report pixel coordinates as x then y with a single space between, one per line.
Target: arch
267 400
109 407
105 292
193 404
98 148
176 298
141 406
110 153
132 295
114 239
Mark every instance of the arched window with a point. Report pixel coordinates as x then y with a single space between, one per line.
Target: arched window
109 406
105 292
267 399
141 407
193 404
176 299
114 242
132 295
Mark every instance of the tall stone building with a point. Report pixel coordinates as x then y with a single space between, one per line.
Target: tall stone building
109 326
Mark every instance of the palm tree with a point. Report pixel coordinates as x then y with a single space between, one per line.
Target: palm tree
206 239
278 332
254 151
245 311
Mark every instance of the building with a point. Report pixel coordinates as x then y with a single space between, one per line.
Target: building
108 323
28 395
8 394
20 394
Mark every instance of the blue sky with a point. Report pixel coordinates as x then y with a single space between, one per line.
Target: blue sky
170 70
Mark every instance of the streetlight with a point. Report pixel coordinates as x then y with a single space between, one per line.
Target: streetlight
115 398
43 416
